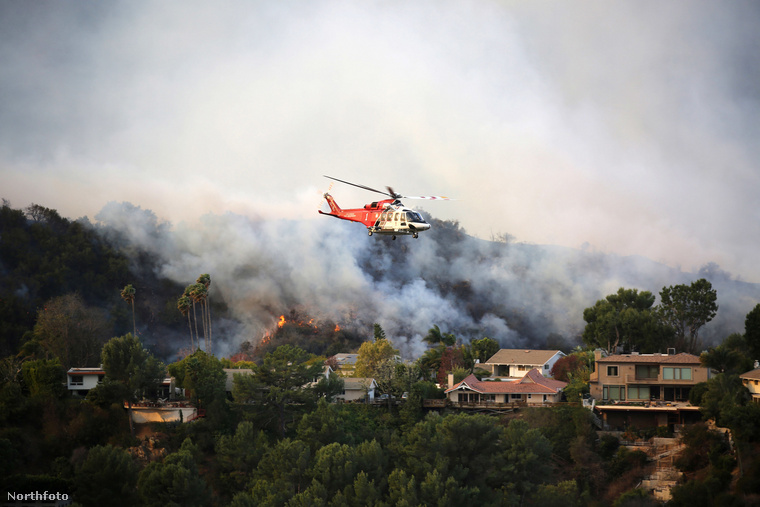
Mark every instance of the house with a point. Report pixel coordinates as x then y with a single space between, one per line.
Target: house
358 389
344 364
646 389
532 389
751 380
515 363
80 380
230 372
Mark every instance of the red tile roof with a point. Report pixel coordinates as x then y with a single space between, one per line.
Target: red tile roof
522 356
682 358
533 383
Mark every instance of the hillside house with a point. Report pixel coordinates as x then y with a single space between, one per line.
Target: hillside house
646 389
515 363
751 380
345 364
79 381
532 389
358 389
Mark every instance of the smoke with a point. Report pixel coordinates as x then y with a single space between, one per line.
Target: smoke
517 294
630 127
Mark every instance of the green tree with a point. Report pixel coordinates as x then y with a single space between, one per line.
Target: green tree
68 329
282 384
435 336
484 349
108 476
204 380
624 319
729 357
125 360
685 309
44 378
752 332
175 481
128 295
239 454
183 305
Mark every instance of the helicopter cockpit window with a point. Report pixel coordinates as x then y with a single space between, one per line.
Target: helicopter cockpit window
414 217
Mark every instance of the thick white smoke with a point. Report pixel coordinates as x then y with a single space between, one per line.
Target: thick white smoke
330 269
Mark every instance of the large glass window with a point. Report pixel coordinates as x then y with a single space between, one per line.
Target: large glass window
638 392
614 393
647 371
77 380
669 373
612 371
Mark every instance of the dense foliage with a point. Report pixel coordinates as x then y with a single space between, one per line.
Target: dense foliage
277 440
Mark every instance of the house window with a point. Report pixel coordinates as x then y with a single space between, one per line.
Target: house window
546 367
669 373
100 379
77 380
614 393
612 371
647 371
638 392
515 396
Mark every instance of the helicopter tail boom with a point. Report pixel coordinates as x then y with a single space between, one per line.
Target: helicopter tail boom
334 208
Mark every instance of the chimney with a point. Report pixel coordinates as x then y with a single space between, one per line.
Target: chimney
451 380
757 364
671 351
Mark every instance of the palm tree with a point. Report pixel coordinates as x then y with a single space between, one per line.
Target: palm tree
183 305
205 279
199 294
128 295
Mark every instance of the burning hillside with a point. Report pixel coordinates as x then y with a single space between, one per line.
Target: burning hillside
520 295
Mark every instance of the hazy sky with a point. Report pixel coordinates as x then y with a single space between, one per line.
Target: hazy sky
628 127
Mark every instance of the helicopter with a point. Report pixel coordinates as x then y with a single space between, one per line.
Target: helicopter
388 216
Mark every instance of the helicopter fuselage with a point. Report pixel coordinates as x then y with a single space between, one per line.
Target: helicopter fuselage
388 217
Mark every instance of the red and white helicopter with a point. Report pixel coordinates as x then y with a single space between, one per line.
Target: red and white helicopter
388 216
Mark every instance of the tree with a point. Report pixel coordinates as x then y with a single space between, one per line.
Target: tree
175 481
435 336
44 378
729 357
205 280
378 360
107 477
752 332
128 295
372 357
183 305
484 348
283 383
68 329
623 319
686 309
126 361
204 380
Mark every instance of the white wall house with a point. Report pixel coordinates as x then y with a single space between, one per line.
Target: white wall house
358 388
515 363
80 380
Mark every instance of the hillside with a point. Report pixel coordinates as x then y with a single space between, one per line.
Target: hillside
325 271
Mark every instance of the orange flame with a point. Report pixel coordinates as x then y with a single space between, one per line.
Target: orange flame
281 322
337 328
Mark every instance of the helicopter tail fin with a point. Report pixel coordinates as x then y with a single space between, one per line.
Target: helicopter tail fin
334 208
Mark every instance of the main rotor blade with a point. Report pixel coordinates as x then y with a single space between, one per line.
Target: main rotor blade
360 186
429 197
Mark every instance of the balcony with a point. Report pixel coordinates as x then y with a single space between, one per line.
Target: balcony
633 379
